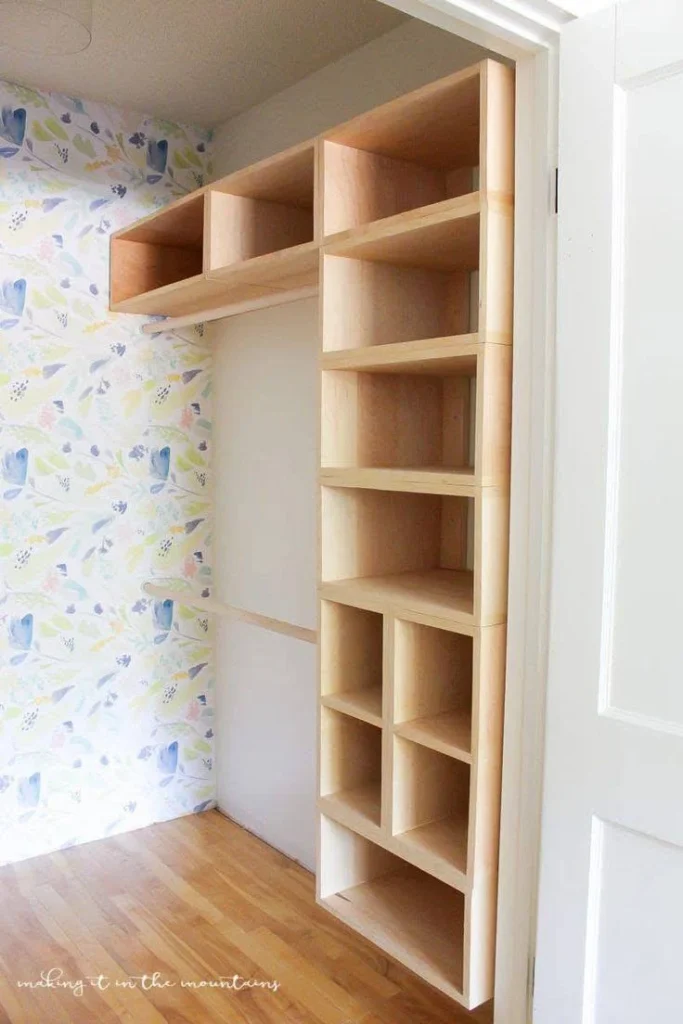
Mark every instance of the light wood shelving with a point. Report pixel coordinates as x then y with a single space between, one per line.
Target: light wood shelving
416 302
243 238
403 220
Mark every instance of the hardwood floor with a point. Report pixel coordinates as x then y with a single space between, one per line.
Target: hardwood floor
194 899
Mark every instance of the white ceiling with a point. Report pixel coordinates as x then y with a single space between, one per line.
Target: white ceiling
201 61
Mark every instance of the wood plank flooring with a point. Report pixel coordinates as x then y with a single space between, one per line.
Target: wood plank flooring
195 899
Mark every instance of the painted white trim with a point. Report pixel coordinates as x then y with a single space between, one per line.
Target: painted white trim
529 33
512 28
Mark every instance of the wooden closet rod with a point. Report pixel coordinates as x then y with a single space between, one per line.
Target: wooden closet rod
213 607
233 309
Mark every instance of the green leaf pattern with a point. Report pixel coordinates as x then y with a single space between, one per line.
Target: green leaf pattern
106 697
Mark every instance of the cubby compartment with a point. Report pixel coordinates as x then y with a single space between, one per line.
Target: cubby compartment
368 302
400 419
409 914
350 769
411 549
351 652
430 808
405 156
163 249
262 210
433 688
362 187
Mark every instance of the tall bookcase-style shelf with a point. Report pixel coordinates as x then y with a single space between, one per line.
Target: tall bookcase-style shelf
403 220
416 313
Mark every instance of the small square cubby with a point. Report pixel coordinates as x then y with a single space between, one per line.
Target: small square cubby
351 768
430 809
263 209
412 916
377 166
400 420
160 250
433 688
351 651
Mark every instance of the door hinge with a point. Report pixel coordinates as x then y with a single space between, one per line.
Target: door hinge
531 980
556 189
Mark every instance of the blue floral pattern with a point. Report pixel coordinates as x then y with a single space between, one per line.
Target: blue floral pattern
105 437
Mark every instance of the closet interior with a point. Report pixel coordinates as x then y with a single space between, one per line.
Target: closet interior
403 220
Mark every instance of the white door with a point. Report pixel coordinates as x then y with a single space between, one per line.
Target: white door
610 940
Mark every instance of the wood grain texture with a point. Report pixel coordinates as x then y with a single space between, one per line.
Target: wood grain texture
138 266
416 289
241 227
196 898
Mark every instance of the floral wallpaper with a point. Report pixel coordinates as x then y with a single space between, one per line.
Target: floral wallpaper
105 433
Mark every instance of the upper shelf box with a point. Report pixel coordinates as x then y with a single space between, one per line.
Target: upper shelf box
161 254
420 149
246 236
263 210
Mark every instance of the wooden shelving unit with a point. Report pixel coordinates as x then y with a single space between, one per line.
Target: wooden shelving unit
247 236
416 295
403 218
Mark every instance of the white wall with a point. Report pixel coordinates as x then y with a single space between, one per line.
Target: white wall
265 459
406 58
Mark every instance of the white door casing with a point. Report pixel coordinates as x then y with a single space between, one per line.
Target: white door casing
610 931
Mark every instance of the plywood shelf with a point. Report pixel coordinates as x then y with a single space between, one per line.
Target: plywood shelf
449 732
439 848
288 269
443 236
359 808
440 593
427 480
276 273
452 355
365 704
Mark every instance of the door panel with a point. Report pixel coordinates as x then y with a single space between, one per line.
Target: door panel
611 898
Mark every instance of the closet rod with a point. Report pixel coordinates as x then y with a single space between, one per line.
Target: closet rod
213 607
233 309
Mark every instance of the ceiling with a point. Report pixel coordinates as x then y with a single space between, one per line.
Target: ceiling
201 61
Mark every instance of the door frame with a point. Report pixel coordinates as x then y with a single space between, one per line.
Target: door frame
528 32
